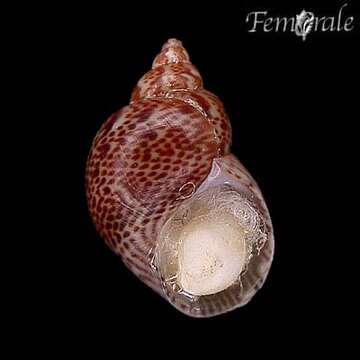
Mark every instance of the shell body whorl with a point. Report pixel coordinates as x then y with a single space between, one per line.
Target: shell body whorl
170 144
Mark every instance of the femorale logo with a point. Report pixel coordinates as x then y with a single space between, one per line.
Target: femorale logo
301 24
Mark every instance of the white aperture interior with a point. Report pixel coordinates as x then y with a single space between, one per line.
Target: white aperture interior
212 253
206 245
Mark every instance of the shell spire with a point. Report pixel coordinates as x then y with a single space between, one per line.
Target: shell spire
172 77
172 52
171 71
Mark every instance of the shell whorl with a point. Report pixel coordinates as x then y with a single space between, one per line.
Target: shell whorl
152 156
172 52
173 76
171 71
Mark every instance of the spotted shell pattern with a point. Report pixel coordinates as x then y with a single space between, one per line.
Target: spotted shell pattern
152 156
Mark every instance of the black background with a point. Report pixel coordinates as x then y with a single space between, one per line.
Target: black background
291 106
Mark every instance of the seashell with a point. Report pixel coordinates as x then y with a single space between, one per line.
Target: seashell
304 23
170 199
